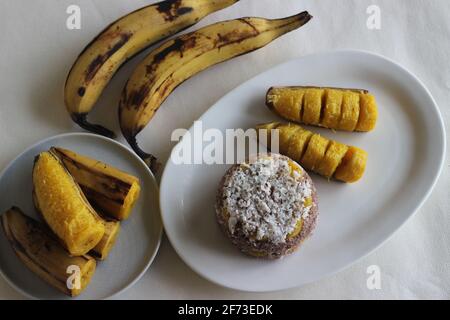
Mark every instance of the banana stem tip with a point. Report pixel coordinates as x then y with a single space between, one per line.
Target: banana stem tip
150 160
304 16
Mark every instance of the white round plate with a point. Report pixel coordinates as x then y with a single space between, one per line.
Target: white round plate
139 237
406 153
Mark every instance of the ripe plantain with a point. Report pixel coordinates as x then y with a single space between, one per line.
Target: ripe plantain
64 207
181 58
110 190
328 158
106 243
43 254
121 40
333 108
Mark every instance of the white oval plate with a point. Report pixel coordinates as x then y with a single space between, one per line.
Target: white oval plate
406 153
139 237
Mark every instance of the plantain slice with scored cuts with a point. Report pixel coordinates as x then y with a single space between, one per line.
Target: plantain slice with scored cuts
314 152
333 108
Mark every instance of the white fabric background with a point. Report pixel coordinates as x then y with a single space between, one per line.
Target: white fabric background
36 52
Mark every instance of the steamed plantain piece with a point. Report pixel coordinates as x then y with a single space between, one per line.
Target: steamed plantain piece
352 166
333 108
350 111
285 133
326 157
367 114
287 105
102 249
110 190
64 207
312 106
298 143
315 152
332 158
43 254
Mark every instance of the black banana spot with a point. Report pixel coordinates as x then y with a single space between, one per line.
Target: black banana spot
81 91
233 37
137 97
172 9
179 45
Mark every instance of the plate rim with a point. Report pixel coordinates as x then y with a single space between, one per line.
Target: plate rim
424 198
152 178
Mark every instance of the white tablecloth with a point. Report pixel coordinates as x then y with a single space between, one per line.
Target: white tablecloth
37 51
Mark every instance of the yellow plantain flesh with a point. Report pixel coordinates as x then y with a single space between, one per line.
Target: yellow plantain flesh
333 108
110 190
64 207
314 152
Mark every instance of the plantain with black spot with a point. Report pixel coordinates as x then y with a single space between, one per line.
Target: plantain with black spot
179 59
37 247
121 40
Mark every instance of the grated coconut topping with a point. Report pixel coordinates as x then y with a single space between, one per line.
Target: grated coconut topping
266 199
